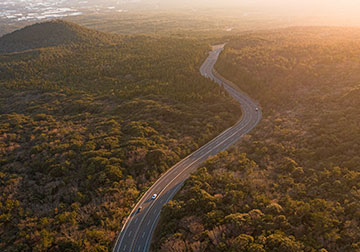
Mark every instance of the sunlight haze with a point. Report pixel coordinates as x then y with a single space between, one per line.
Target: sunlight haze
342 11
180 125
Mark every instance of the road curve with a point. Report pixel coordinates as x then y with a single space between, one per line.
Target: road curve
137 231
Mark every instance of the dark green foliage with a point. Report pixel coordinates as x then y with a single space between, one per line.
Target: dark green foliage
294 183
52 33
86 127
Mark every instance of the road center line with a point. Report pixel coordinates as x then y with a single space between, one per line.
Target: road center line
185 169
186 165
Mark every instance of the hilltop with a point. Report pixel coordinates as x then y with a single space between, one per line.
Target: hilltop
49 34
86 128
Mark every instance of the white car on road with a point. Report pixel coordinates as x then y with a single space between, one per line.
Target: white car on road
154 196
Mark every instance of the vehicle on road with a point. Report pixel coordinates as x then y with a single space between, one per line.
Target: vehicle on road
139 209
130 241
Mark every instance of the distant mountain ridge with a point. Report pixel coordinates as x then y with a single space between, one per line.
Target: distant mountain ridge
48 34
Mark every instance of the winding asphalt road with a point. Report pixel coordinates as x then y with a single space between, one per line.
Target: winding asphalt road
139 227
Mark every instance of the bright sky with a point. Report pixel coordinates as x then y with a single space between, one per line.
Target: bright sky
335 11
309 5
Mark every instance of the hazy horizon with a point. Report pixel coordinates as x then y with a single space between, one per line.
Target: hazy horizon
177 125
347 10
306 12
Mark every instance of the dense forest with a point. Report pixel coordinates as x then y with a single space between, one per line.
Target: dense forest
52 33
293 184
87 124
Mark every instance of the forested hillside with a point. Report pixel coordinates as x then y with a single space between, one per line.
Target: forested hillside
88 124
293 184
283 66
52 33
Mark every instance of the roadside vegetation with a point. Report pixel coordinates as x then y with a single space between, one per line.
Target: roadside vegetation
87 124
293 184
